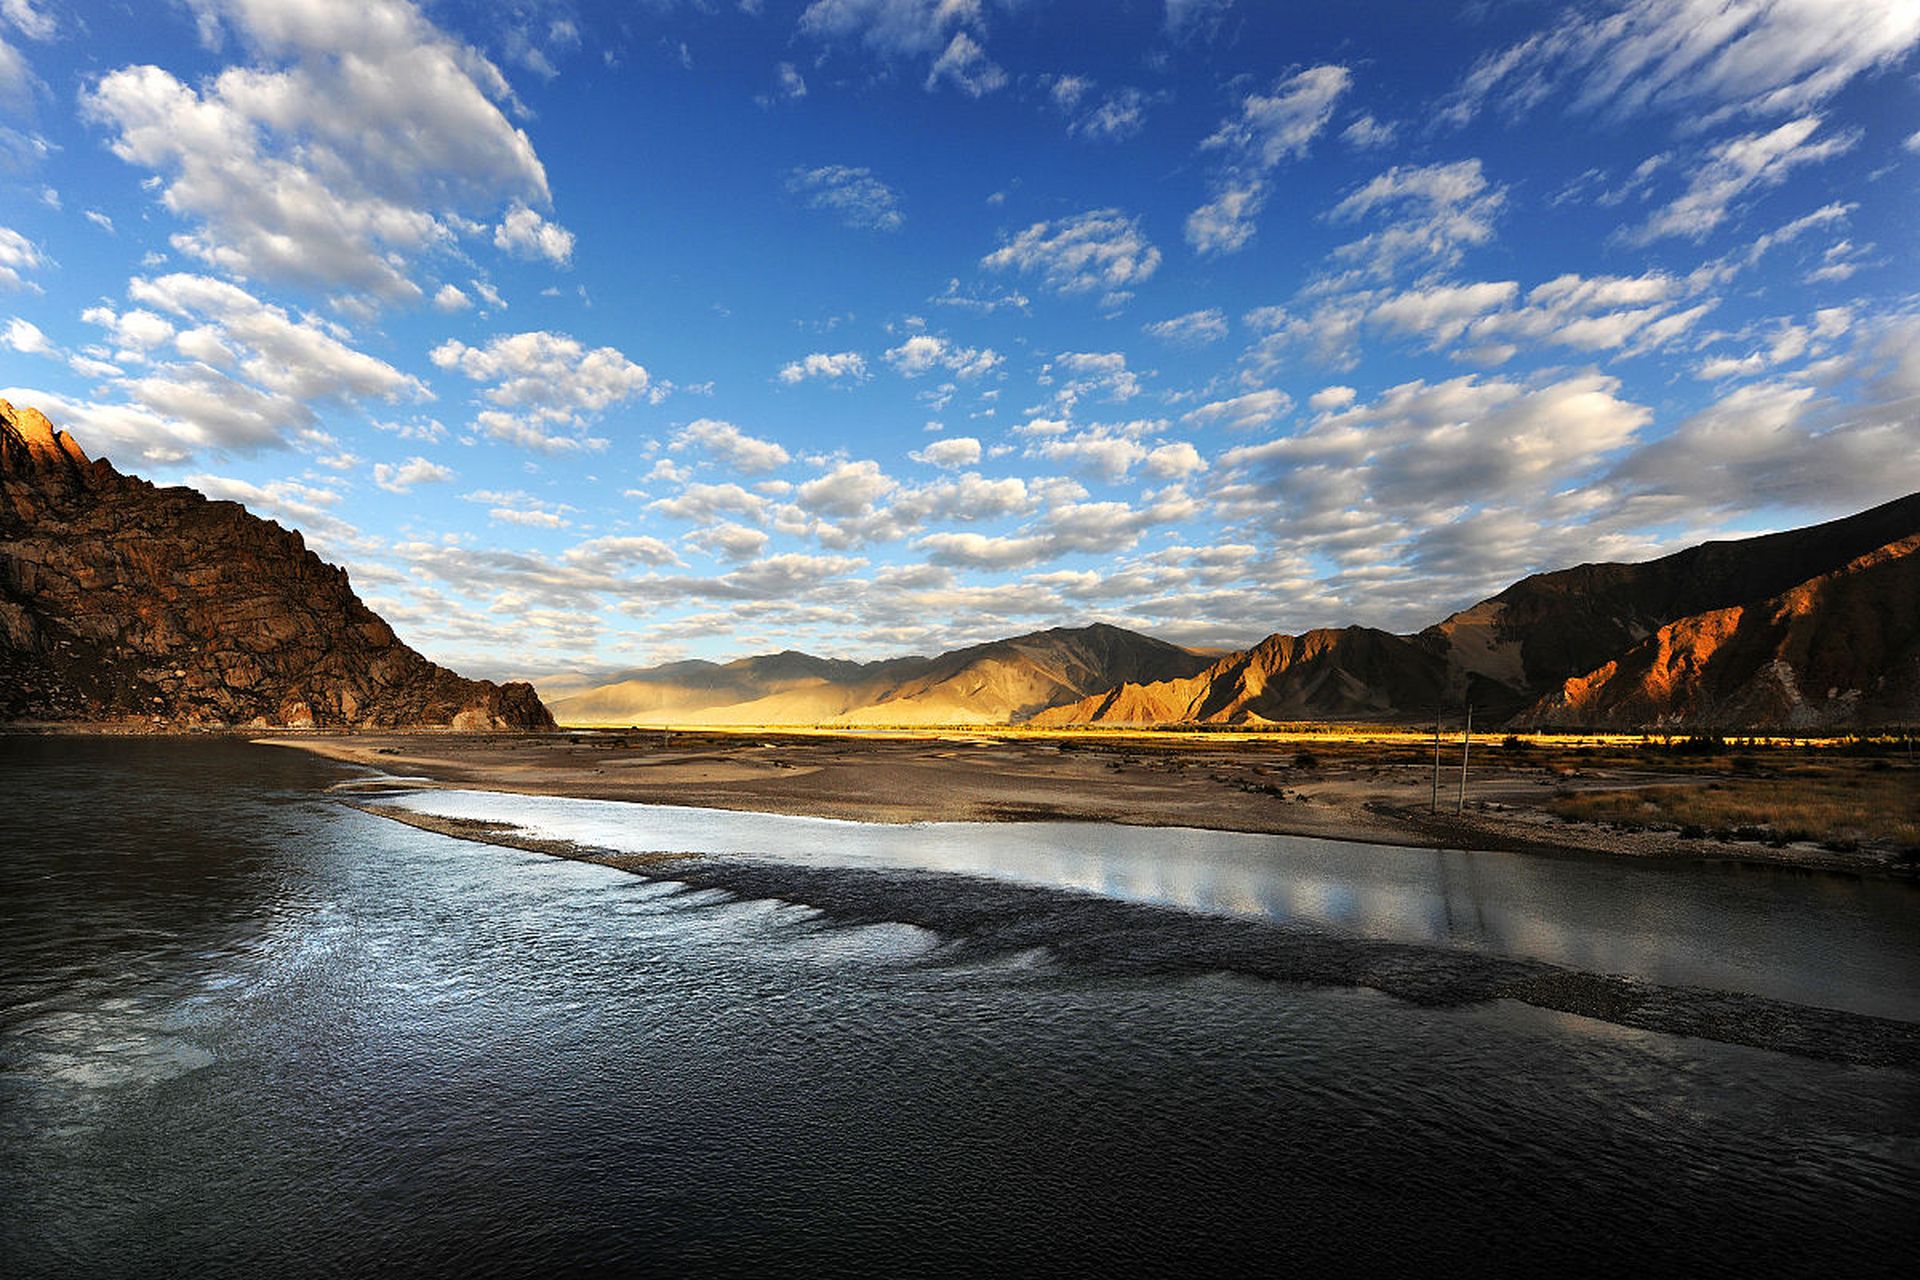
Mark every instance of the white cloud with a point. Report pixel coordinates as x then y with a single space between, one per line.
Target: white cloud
1067 91
1758 57
303 506
25 337
1101 453
1184 16
1225 223
425 430
450 298
848 490
525 234
789 83
400 477
1079 375
604 555
854 196
353 147
1442 312
99 220
707 503
1789 441
29 19
1367 133
1092 528
103 427
1436 211
966 67
831 366
1825 216
1100 249
1732 169
903 29
1195 328
540 379
1121 114
1247 412
730 541
924 353
18 84
1277 126
1421 450
17 255
893 28
250 377
953 451
1175 461
1327 398
305 358
729 444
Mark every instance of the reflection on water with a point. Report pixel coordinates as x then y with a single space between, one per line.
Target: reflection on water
247 1031
1818 939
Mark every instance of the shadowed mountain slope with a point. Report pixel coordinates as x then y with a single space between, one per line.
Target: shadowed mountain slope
1551 626
1353 673
1839 650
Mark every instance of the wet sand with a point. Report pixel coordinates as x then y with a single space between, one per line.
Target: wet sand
1354 789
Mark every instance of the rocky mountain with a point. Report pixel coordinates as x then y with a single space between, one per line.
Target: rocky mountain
1552 626
1808 628
125 603
1353 673
1839 650
1005 680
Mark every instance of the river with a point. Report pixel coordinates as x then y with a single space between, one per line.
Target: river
247 1029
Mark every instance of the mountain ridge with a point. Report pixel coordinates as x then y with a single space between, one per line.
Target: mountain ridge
125 603
996 682
1549 650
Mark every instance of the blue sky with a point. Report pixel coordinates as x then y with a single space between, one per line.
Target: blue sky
589 336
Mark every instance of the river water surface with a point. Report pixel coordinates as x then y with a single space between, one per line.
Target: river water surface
246 1029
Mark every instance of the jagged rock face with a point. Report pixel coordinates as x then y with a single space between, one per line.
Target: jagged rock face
123 602
994 683
1840 650
1347 674
1551 626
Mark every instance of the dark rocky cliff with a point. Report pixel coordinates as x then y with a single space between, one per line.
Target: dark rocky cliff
122 602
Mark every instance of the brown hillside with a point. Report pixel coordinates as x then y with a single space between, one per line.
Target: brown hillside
994 683
1355 673
156 607
1839 650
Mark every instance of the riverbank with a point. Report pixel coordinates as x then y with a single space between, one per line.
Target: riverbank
1351 787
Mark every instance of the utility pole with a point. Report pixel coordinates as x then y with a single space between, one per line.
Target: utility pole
1433 801
1466 745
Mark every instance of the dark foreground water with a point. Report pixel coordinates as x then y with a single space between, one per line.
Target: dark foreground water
245 1030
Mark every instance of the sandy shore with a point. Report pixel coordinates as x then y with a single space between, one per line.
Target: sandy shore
1351 789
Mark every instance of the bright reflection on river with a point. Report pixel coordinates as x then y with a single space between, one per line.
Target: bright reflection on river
1811 938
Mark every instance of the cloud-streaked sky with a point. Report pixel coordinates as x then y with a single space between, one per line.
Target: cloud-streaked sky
591 335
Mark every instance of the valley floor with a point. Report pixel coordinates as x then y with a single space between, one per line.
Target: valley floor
1795 805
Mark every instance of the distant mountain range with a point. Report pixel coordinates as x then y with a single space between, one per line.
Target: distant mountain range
1007 680
121 602
1813 628
1807 629
130 605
